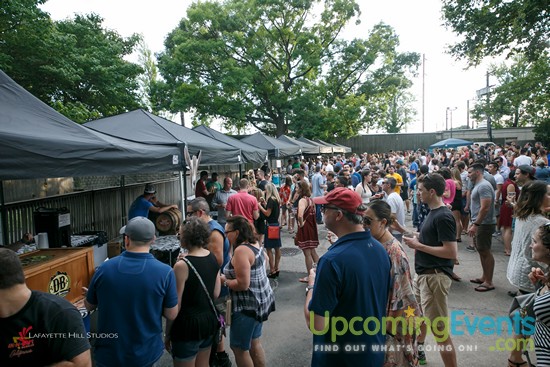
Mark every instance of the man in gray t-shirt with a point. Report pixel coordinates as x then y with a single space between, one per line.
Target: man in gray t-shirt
482 225
318 186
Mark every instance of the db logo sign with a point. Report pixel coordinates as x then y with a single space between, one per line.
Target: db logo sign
60 284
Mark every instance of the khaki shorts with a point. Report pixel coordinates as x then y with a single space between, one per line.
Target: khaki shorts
484 237
431 291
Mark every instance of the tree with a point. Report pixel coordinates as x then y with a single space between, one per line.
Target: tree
75 65
271 64
400 112
493 27
23 50
521 96
91 71
542 132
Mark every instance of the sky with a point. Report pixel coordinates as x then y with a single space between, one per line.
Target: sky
447 82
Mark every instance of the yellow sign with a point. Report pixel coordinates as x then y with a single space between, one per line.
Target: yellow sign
60 284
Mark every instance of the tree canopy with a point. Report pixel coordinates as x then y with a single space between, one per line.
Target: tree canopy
281 67
75 65
521 97
496 27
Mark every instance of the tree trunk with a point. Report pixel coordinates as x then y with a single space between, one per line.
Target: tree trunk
280 126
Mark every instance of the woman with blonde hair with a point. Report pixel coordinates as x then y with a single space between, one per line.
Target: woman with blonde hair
259 224
269 207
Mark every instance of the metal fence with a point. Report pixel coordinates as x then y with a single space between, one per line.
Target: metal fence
380 143
92 210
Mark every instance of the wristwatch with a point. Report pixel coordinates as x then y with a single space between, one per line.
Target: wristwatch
308 288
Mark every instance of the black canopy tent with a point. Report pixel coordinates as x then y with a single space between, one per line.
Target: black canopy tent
335 148
39 142
275 148
323 149
346 149
307 148
144 127
249 153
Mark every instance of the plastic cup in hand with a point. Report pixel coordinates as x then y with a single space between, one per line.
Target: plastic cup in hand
408 234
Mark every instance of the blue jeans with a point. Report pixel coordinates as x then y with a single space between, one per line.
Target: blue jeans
318 216
243 330
184 351
415 220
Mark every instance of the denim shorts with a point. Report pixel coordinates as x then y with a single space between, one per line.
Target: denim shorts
186 350
243 330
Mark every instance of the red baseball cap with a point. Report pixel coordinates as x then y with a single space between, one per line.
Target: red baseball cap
342 198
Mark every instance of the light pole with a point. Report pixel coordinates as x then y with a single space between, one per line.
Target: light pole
487 92
449 109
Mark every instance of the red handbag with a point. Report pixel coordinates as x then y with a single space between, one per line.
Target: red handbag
273 232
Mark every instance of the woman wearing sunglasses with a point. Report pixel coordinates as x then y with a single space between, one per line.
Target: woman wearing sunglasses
401 300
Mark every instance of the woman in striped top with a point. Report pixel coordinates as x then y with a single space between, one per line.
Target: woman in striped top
541 253
251 295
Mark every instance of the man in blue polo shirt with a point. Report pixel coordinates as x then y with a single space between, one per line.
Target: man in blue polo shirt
131 292
351 283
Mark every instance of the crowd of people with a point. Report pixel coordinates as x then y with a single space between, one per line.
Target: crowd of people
363 201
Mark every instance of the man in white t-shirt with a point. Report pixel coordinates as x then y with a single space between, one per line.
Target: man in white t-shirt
397 207
329 167
492 167
523 159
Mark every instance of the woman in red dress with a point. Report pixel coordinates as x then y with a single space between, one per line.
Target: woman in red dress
508 190
307 238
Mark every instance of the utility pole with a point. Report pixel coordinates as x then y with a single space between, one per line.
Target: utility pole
423 87
489 129
467 113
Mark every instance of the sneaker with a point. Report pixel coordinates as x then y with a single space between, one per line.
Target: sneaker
421 357
471 248
496 234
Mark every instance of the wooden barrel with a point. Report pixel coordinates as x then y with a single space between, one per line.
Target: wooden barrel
168 223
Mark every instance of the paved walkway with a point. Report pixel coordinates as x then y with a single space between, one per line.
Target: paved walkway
287 340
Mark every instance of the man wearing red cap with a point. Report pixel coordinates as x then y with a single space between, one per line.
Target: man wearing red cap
351 281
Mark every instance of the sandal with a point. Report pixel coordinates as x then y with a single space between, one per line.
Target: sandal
303 280
516 364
